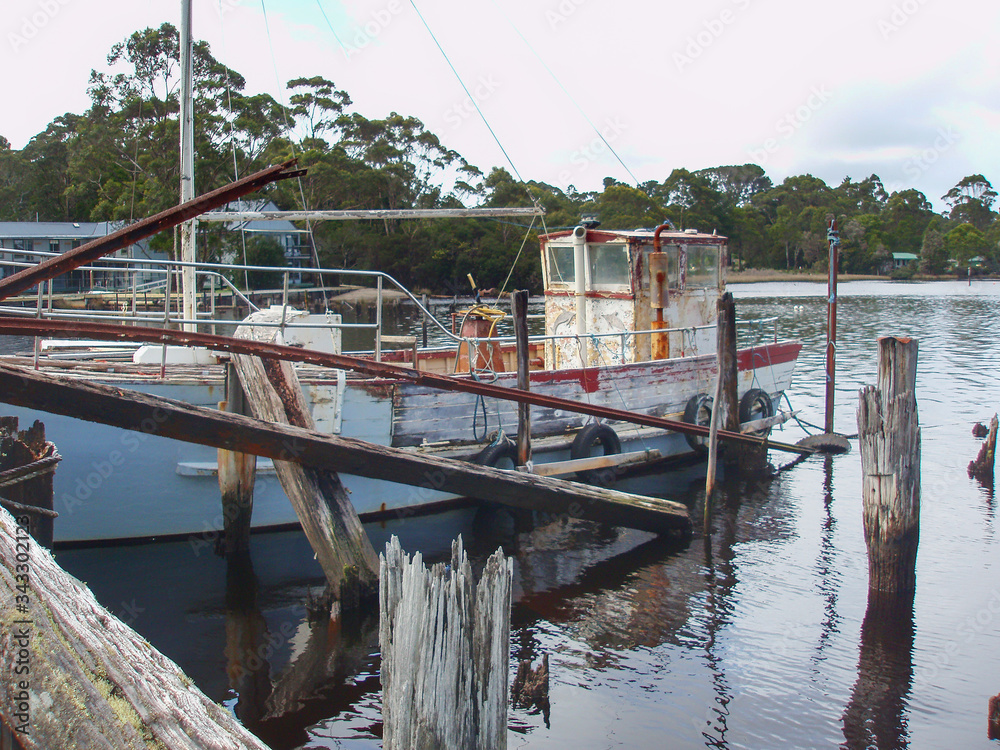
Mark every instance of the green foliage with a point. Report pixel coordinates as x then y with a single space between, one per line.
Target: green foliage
933 254
119 160
263 251
904 273
971 201
965 242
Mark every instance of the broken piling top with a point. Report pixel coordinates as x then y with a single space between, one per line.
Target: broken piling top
897 366
445 644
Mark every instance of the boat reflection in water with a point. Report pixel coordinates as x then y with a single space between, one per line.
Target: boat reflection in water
242 630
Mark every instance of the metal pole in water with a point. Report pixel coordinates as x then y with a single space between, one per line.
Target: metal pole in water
187 166
831 321
519 307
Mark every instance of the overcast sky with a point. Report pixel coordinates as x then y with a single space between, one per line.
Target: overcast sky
906 89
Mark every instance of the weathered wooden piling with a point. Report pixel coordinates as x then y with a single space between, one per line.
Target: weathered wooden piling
320 500
519 309
77 677
982 467
27 463
889 440
444 642
237 476
725 405
993 720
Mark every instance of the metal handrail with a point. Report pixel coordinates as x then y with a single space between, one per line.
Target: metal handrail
213 272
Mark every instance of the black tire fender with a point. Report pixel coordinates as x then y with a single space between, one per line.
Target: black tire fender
698 411
593 434
498 454
756 404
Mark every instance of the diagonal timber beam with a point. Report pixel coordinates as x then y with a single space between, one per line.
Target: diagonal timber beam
52 267
168 418
111 332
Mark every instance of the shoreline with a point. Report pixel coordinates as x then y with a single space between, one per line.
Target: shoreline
769 275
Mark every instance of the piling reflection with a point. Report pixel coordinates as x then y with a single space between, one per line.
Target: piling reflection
876 716
826 566
720 579
247 667
328 673
278 705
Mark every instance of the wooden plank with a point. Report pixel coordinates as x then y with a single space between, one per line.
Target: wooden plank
86 679
561 468
379 214
320 500
181 421
755 425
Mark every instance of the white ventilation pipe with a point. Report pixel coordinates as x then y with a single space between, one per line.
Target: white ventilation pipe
580 277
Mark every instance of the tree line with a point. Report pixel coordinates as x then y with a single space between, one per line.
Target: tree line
118 161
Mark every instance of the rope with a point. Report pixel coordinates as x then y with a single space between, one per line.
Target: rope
565 91
284 114
469 94
517 257
232 140
332 31
494 316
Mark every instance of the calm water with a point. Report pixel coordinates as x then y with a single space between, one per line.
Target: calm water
758 639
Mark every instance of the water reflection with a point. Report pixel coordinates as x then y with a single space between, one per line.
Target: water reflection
750 640
246 642
876 715
826 566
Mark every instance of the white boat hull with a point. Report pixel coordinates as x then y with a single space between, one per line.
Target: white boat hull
116 484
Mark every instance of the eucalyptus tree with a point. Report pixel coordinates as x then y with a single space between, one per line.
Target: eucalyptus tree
971 201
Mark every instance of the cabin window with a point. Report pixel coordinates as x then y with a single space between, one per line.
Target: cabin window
561 264
702 266
608 266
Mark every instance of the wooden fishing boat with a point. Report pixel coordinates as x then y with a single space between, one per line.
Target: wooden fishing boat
629 324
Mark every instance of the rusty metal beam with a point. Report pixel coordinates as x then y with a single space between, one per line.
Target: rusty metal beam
131 234
111 332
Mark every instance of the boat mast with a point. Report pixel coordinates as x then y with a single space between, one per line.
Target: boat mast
187 165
